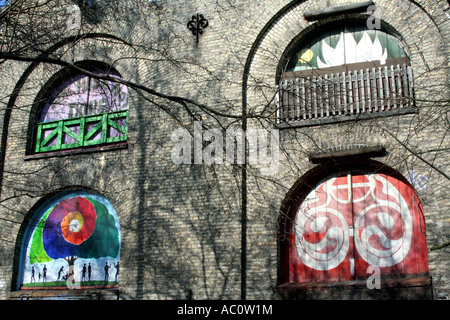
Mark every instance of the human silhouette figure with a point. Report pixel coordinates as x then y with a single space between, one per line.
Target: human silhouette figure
89 271
83 273
33 279
107 271
44 274
117 270
59 273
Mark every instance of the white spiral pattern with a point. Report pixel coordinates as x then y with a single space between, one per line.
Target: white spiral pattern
392 213
383 226
332 249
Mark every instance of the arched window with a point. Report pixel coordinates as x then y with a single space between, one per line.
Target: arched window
72 241
79 110
341 226
344 72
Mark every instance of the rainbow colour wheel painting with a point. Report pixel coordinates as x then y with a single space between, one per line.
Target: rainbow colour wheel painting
74 243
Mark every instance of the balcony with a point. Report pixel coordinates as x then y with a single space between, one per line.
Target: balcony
313 99
105 128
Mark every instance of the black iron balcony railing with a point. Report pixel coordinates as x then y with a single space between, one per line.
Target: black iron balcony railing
315 99
84 131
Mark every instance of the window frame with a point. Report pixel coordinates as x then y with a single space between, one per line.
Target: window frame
104 120
335 289
397 99
19 291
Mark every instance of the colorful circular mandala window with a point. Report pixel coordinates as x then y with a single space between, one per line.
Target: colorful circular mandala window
73 242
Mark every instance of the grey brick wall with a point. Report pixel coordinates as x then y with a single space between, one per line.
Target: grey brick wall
181 224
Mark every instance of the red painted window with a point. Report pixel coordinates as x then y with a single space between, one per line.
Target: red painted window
348 222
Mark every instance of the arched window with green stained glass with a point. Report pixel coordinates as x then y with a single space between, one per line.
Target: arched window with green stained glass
81 107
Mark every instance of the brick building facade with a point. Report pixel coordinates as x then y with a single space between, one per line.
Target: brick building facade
191 226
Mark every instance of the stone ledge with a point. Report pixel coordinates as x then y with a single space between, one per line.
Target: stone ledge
366 152
65 294
63 153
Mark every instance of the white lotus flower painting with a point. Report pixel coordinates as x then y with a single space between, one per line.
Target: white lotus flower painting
348 51
347 46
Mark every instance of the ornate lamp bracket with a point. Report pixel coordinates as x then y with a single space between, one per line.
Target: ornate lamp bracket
197 24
